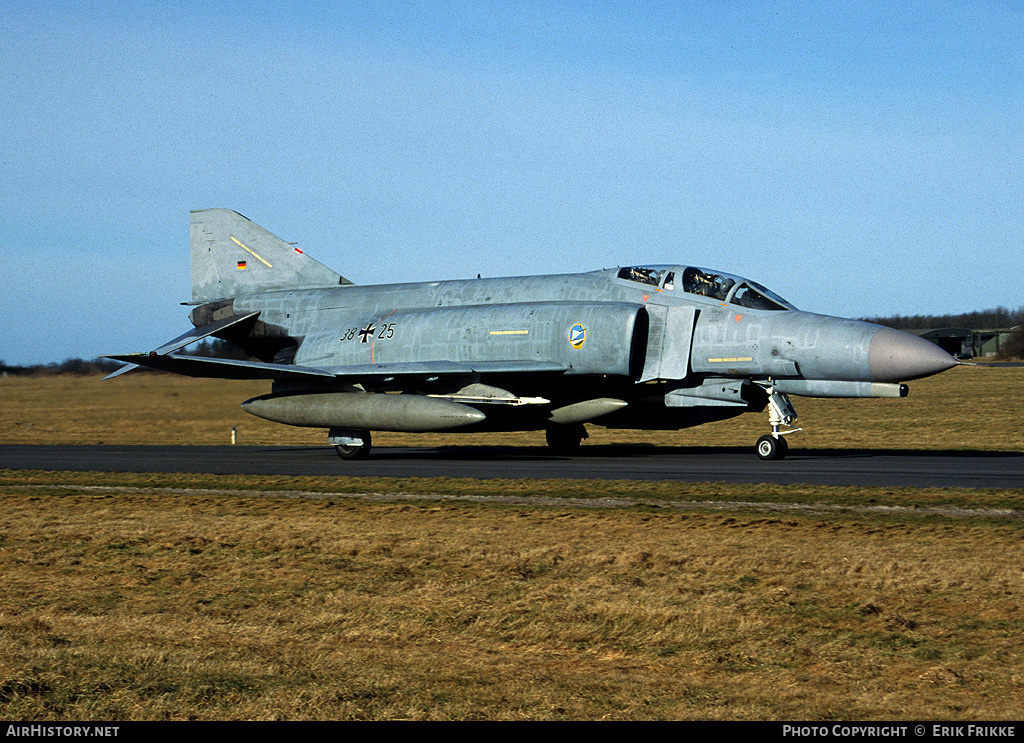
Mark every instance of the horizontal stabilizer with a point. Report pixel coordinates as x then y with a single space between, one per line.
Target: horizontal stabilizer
123 370
204 366
184 339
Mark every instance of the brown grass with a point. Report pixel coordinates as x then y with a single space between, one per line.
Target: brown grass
965 408
162 605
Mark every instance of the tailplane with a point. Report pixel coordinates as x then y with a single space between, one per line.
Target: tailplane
232 256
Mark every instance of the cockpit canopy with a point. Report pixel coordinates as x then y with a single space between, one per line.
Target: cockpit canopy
707 283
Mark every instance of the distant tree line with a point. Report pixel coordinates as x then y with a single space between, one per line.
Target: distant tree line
1014 346
67 366
1000 317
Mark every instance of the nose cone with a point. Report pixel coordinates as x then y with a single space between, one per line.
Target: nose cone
896 356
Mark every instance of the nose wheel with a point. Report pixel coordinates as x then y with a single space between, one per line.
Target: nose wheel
780 413
769 447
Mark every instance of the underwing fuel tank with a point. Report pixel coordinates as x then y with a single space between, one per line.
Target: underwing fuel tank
363 410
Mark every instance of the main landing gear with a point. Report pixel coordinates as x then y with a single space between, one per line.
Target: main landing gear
780 413
565 439
350 444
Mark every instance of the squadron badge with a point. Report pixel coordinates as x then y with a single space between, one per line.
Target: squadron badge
577 335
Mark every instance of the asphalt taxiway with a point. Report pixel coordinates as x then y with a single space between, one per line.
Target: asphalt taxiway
863 468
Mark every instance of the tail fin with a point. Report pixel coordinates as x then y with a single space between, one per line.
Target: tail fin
233 256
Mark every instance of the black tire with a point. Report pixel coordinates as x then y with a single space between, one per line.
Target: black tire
771 448
355 451
565 439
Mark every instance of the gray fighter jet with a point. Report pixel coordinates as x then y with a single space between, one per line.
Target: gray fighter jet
643 347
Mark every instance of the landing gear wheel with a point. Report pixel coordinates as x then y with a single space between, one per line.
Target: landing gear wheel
565 439
769 447
354 447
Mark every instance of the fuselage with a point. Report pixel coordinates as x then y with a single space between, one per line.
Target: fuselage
722 327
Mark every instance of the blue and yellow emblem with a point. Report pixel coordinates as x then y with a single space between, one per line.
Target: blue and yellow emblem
577 335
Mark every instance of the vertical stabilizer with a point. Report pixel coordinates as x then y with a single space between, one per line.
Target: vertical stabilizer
232 256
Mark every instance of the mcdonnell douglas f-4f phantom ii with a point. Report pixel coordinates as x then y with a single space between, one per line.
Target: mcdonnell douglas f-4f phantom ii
643 347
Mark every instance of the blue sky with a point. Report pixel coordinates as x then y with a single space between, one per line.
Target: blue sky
859 158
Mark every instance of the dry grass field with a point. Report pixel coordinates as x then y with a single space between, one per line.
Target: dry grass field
153 604
128 597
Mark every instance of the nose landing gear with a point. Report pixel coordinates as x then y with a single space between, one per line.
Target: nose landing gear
780 413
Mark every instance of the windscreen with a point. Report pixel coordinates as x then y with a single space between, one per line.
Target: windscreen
755 296
734 289
708 283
